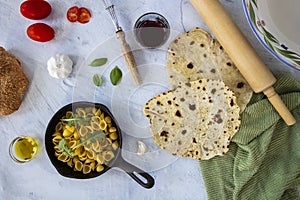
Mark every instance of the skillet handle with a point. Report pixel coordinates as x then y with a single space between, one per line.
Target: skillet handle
131 170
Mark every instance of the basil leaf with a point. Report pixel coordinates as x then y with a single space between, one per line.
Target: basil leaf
115 75
97 79
98 62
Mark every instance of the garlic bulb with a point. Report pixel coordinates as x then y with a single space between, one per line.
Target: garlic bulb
60 66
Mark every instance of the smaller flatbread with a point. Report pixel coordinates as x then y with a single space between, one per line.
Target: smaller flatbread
197 119
195 55
13 83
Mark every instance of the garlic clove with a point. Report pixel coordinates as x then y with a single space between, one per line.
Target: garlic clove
141 148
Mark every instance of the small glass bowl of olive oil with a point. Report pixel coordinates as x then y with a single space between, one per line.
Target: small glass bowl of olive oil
23 149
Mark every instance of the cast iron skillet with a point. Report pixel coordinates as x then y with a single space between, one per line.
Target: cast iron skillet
118 161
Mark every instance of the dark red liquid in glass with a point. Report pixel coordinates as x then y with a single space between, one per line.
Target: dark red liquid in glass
152 32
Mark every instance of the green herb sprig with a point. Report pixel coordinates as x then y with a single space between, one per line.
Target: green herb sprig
92 138
72 121
62 145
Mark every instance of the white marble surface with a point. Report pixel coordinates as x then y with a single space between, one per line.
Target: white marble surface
38 179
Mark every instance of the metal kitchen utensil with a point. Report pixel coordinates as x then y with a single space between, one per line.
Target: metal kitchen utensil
242 53
126 50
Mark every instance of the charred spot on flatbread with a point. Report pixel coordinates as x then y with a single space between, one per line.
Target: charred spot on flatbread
190 66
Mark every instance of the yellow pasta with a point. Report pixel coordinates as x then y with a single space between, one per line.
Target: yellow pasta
70 128
89 110
86 169
83 131
103 124
70 163
69 114
108 155
107 119
57 149
67 133
83 156
96 119
112 129
57 153
91 154
115 145
95 126
93 165
90 129
81 112
103 143
78 151
102 116
87 150
98 112
88 161
76 135
96 147
59 127
78 166
113 136
73 143
99 168
63 158
99 158
56 139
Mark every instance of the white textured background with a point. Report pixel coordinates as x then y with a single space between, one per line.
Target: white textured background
38 180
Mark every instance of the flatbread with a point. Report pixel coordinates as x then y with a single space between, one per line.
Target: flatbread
13 81
195 55
197 119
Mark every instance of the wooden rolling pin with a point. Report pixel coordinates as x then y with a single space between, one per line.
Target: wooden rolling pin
242 53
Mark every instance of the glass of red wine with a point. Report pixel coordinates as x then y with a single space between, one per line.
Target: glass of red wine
152 30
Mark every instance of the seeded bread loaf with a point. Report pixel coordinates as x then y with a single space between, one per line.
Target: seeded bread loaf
13 83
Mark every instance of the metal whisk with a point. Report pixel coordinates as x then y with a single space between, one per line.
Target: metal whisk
126 50
110 8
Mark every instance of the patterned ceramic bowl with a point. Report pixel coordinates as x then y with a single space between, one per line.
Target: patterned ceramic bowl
276 24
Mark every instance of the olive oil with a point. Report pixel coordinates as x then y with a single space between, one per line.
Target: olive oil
23 149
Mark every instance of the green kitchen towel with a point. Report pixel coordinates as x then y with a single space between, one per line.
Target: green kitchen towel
263 161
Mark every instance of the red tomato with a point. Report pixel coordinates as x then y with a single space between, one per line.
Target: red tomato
40 32
72 14
84 15
34 9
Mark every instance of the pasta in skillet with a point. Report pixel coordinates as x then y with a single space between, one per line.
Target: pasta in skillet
85 140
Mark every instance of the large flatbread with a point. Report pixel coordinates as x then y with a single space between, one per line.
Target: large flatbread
13 83
197 119
195 55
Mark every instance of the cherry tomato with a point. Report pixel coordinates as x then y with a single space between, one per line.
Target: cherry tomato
40 32
35 9
84 15
72 14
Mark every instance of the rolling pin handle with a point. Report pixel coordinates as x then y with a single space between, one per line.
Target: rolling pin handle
278 104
